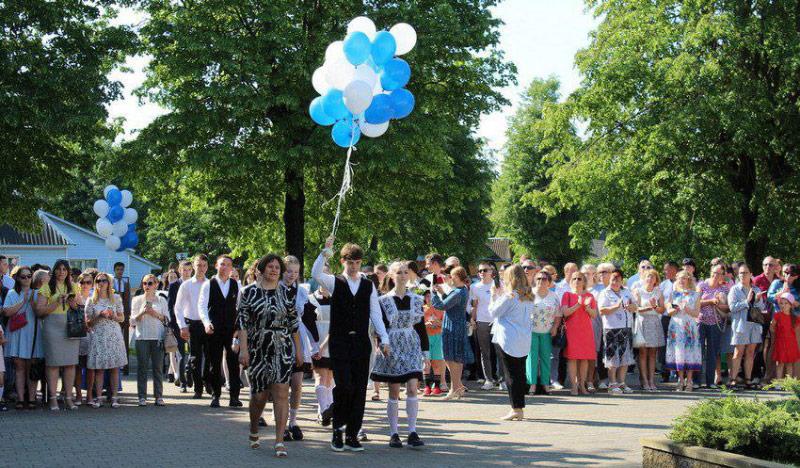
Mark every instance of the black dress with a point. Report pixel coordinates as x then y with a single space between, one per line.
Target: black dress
270 318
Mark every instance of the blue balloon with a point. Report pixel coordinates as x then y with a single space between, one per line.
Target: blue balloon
380 110
132 227
402 102
333 104
374 66
345 134
318 113
115 213
383 47
357 47
114 197
395 75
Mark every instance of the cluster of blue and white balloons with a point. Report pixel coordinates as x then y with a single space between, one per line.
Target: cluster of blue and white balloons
117 221
361 84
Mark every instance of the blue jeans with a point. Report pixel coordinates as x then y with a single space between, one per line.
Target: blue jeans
710 336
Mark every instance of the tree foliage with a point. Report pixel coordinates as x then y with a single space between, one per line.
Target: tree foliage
238 146
54 87
524 170
692 128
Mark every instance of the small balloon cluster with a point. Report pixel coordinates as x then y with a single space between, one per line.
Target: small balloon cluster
117 222
361 84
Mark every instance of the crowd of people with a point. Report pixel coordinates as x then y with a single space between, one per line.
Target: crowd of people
415 328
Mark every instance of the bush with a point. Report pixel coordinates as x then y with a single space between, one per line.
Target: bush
766 430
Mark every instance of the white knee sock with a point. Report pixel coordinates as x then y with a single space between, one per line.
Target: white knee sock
412 408
321 394
292 416
391 411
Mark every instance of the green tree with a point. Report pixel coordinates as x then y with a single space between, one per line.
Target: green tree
524 170
54 87
692 129
236 78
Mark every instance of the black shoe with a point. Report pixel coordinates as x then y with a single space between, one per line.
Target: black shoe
189 379
170 378
262 422
414 440
184 389
178 382
235 403
3 406
336 442
297 434
209 390
362 436
327 415
214 402
287 435
352 444
197 396
395 442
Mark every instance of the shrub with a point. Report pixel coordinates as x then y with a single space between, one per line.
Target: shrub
766 430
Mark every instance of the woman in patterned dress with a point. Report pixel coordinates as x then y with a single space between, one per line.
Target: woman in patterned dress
454 327
683 336
270 345
402 315
107 347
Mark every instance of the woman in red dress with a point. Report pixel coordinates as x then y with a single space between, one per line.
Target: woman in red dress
579 307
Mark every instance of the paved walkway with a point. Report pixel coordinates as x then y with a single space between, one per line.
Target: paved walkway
561 430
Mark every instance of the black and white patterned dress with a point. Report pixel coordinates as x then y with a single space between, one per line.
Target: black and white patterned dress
407 339
270 318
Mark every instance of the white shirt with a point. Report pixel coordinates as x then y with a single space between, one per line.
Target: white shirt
147 326
512 324
205 294
187 300
8 281
307 343
328 281
621 318
631 280
483 293
562 288
666 291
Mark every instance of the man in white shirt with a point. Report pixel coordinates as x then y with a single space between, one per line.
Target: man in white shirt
188 318
216 305
480 296
354 305
563 285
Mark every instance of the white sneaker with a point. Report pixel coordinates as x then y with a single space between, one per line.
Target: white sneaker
614 390
503 386
603 386
626 389
557 386
142 402
487 386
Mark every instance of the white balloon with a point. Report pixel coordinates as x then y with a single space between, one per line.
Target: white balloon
130 216
108 187
335 52
404 36
373 130
378 89
112 243
340 73
357 96
362 24
101 208
104 227
366 74
127 198
319 81
120 228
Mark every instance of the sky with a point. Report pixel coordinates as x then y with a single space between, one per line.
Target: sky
540 37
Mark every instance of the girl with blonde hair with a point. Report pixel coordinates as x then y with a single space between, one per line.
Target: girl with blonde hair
104 313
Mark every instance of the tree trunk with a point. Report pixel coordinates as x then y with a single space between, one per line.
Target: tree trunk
745 185
294 214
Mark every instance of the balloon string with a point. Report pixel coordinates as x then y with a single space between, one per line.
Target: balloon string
347 181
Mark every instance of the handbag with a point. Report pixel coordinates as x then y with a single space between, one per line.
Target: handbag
638 334
17 321
170 342
560 340
76 323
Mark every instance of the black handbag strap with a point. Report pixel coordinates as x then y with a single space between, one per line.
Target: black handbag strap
35 332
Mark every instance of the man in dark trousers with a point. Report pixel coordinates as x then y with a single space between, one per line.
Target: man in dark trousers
186 273
217 307
354 304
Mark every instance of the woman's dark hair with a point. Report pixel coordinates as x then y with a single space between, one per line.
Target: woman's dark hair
17 282
412 266
616 272
266 260
67 281
794 270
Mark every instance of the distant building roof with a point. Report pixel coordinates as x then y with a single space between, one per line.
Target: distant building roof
45 236
500 248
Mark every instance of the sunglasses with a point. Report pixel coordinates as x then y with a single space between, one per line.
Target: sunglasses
100 281
484 270
149 283
539 278
647 267
86 282
528 268
24 277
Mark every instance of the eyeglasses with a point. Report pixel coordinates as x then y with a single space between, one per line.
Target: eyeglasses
577 279
86 282
484 270
646 267
24 277
100 281
604 272
528 267
149 283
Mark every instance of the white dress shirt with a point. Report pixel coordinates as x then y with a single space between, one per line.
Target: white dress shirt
329 282
205 294
186 301
8 281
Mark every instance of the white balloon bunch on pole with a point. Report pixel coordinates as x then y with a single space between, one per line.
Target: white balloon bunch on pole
361 84
116 221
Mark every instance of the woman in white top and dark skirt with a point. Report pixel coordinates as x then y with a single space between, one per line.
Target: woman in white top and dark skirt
511 332
408 339
318 309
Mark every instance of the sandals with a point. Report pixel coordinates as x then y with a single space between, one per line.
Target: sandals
254 443
19 405
70 405
280 450
54 403
376 397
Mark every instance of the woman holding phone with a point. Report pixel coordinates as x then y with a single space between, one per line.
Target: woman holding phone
107 347
149 312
